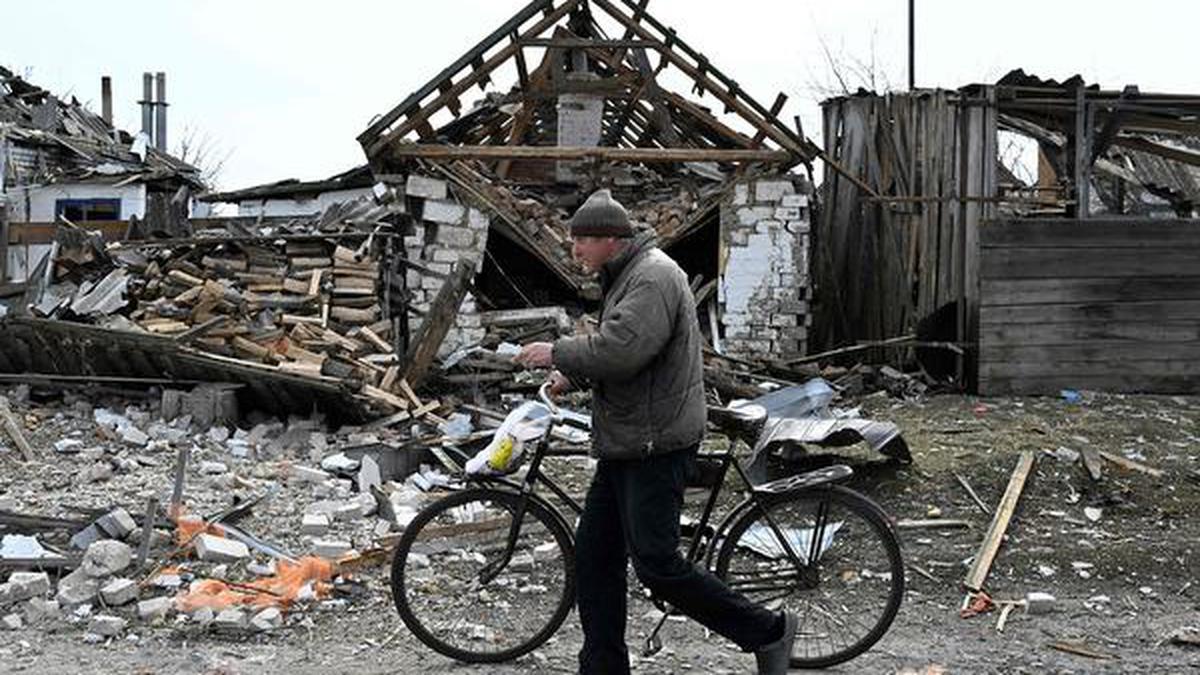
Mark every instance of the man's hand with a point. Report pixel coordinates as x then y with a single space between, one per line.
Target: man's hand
559 384
536 355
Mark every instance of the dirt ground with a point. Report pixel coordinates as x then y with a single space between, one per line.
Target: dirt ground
1118 554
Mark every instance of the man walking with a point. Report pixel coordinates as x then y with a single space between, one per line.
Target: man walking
645 370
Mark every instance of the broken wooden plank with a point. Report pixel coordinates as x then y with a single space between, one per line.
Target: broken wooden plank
14 431
374 339
1004 512
578 153
971 492
442 313
932 524
377 394
1131 465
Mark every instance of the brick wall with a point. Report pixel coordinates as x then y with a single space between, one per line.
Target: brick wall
764 288
445 230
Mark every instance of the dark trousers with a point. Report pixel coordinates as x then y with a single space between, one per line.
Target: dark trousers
632 511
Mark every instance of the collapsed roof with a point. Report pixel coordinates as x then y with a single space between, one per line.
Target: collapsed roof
85 146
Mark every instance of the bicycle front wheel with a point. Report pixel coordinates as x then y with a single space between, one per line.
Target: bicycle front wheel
465 592
827 555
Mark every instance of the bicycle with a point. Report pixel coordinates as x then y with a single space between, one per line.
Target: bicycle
486 574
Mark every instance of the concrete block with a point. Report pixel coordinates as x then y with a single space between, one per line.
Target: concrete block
220 549
117 523
431 283
783 213
772 190
783 320
105 558
314 524
424 187
231 619
204 616
24 585
443 211
331 548
12 622
106 625
77 588
39 611
119 592
155 609
268 619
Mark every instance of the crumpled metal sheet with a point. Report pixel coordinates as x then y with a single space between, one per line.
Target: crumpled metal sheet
800 414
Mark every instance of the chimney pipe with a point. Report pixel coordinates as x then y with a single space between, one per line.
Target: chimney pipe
106 99
147 105
160 124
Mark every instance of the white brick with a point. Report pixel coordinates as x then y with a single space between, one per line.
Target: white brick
268 619
314 524
784 213
797 226
477 220
749 215
459 237
795 201
306 474
772 190
231 619
741 194
155 609
443 211
331 548
220 549
106 626
424 187
119 592
446 255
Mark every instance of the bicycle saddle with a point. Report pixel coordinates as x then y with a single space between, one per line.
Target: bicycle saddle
743 421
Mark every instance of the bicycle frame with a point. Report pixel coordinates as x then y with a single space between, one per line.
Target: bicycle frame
533 477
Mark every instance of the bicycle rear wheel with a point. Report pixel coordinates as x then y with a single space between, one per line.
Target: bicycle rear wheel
845 581
465 593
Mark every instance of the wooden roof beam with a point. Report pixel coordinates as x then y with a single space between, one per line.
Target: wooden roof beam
608 154
374 145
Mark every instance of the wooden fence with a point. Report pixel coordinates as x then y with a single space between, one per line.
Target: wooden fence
1109 305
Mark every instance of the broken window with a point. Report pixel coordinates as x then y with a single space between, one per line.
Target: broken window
87 210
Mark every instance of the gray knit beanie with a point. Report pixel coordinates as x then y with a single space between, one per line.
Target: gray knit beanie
601 216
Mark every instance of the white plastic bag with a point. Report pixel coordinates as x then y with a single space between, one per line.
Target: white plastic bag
528 422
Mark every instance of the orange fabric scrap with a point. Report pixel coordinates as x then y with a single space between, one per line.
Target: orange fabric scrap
280 590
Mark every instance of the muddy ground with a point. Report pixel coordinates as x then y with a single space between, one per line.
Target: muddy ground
1123 581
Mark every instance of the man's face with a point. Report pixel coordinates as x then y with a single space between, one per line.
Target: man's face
593 252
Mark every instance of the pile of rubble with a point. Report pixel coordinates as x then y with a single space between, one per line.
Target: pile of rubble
162 537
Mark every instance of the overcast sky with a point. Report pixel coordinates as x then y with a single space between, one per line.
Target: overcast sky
284 88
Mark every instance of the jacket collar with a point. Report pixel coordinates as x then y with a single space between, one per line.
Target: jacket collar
641 244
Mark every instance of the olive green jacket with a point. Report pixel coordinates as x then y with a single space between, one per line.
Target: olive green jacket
644 362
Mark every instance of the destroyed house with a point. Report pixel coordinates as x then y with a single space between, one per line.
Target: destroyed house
1083 275
59 160
291 197
577 96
